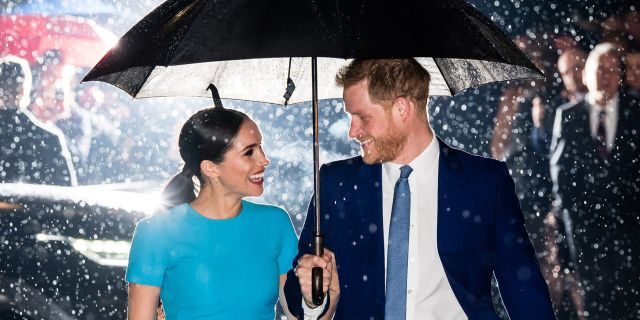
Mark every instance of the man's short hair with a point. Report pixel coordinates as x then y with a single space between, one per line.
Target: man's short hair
600 50
15 80
389 79
574 54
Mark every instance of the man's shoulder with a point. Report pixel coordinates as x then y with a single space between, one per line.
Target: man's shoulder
462 155
350 169
573 107
628 107
31 127
456 158
44 129
344 164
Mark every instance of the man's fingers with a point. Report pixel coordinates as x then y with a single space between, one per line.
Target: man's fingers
310 261
326 280
305 275
306 281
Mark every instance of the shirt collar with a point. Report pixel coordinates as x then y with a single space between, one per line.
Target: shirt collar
609 107
426 160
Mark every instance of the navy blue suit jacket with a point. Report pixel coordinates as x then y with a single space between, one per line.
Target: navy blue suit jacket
480 232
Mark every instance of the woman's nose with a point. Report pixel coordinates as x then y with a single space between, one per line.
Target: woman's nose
264 161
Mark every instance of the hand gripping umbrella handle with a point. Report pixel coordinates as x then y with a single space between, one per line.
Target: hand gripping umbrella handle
317 296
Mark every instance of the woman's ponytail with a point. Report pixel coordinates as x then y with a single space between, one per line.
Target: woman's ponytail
180 189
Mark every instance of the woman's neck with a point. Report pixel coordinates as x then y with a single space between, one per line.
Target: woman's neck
215 205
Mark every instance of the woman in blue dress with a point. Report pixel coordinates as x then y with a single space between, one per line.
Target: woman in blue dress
214 255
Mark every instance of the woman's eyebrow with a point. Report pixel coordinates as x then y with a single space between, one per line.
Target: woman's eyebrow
249 147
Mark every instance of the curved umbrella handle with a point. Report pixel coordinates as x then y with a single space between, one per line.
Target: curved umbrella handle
317 296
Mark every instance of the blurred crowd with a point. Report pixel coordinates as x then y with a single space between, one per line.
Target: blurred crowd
92 137
572 143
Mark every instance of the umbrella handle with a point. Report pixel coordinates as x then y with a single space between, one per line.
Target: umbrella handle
317 296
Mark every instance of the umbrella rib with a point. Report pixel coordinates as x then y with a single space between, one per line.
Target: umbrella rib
181 13
466 17
435 61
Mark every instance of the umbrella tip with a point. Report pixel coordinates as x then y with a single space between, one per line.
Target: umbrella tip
215 95
290 85
287 94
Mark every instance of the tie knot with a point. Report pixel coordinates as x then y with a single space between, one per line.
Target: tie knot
405 171
602 114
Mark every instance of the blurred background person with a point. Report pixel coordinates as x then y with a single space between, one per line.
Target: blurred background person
595 181
32 152
632 76
48 103
631 26
53 104
563 284
93 139
570 66
108 151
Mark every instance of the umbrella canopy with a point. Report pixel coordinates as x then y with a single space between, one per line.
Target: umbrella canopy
202 40
81 41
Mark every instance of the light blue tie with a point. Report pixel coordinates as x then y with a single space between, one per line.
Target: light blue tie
395 306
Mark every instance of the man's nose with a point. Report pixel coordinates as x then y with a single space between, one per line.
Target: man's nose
354 130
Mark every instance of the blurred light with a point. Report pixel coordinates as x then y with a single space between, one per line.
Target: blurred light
8 205
103 252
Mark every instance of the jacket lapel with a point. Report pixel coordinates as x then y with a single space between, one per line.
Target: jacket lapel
370 226
450 189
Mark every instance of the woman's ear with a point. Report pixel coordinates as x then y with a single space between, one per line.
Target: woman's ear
209 169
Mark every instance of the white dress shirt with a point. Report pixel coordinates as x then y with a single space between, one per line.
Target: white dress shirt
429 294
611 121
313 314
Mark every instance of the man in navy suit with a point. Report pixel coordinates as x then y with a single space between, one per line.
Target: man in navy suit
463 221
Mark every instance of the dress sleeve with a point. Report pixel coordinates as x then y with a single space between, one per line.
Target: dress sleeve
147 257
289 247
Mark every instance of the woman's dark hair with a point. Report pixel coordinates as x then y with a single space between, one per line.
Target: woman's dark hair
207 135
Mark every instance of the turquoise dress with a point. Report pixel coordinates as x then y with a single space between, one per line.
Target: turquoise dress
214 269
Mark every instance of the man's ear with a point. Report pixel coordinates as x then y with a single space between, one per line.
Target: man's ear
404 108
209 169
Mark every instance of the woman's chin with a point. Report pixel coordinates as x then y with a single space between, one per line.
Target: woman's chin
254 192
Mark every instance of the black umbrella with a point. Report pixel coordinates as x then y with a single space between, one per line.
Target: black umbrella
255 49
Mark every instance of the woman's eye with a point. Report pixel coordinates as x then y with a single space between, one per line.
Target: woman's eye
249 153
